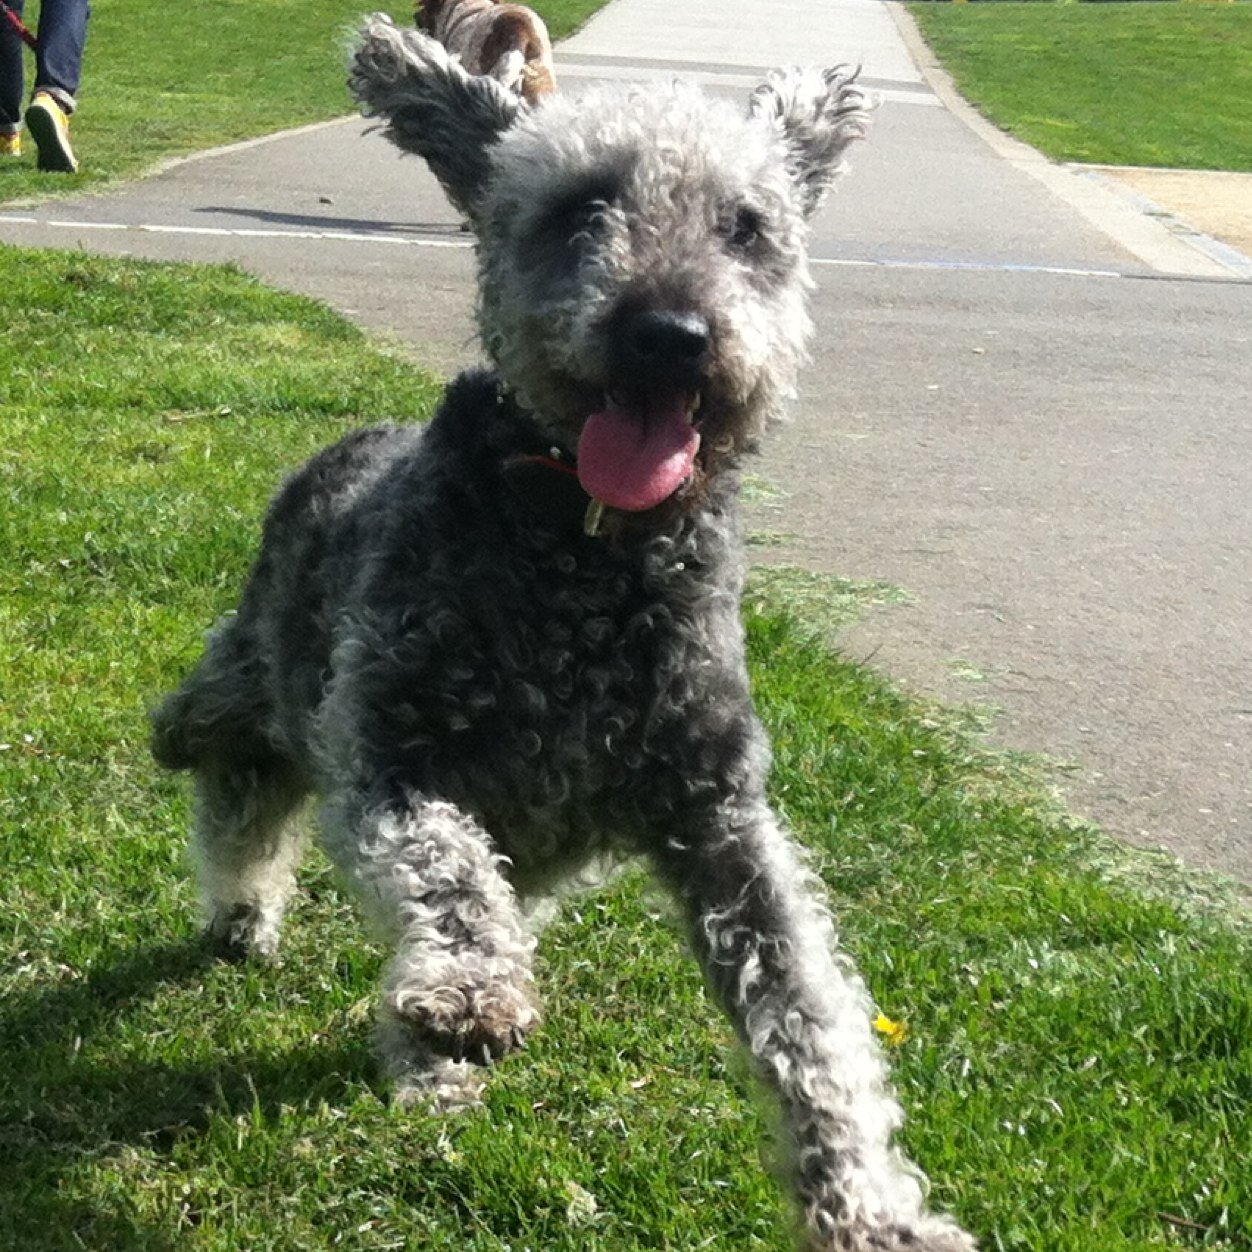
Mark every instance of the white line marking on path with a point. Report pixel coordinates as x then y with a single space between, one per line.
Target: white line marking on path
998 267
243 232
413 241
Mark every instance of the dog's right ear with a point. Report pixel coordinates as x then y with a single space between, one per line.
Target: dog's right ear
431 105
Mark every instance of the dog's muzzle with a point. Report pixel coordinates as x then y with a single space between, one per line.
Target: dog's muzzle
640 448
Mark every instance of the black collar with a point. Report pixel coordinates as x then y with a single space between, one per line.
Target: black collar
547 483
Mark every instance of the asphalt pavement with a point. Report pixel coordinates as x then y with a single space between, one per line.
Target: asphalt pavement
1028 405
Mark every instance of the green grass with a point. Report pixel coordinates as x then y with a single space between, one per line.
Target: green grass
1123 84
1079 1063
161 80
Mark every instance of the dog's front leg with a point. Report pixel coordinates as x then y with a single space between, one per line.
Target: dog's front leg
767 947
458 991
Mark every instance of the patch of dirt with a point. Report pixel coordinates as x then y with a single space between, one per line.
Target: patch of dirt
1214 202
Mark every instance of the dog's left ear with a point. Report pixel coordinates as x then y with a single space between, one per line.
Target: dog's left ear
817 113
431 105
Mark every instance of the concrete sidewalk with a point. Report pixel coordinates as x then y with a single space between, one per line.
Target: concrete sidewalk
1028 404
745 35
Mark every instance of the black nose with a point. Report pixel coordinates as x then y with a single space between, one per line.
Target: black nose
664 339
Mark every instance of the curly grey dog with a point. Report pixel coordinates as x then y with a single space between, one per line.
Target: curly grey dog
509 645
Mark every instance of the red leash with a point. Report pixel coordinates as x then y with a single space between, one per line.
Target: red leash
23 32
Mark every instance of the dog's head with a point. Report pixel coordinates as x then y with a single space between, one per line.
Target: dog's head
641 250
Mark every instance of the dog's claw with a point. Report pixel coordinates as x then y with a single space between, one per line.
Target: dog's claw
487 1022
517 1037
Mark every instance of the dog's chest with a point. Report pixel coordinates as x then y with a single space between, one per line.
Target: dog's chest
555 688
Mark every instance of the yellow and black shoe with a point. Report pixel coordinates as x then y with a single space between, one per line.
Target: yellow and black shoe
10 143
49 125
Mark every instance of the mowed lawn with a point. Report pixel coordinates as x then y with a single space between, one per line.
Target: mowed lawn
1166 84
161 80
1077 1055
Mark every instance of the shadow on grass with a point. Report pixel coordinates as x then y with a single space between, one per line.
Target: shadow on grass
60 1113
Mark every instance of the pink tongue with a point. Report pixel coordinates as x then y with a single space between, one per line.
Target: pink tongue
633 461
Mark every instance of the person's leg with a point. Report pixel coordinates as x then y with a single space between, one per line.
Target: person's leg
59 64
59 61
11 81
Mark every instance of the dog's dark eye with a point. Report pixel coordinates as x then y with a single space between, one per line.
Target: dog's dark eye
577 213
743 228
577 218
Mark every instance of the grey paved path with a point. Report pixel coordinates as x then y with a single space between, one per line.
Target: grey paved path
1029 405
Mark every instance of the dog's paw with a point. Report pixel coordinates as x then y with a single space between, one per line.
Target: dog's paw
242 932
933 1235
477 1020
420 1079
442 1087
924 1233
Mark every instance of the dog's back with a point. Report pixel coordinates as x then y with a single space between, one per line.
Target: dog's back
251 699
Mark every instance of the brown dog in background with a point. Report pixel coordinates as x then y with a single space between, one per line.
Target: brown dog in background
508 42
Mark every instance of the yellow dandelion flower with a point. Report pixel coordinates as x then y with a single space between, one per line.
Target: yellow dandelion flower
895 1033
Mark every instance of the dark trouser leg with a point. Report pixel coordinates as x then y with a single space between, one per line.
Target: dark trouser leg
12 51
62 37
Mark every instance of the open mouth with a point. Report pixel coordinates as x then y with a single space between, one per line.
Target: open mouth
639 449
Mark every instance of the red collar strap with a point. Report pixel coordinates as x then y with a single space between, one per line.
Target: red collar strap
546 462
527 474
